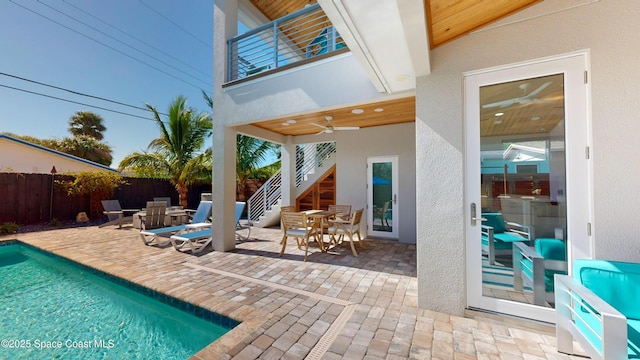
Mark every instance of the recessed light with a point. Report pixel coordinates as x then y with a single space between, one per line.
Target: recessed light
378 109
357 111
285 124
498 122
535 118
542 130
291 121
499 114
328 117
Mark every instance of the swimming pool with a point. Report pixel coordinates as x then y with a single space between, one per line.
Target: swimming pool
51 307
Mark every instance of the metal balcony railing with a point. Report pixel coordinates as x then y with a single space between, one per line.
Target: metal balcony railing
301 35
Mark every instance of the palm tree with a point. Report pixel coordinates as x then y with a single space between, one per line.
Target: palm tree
87 123
250 156
176 153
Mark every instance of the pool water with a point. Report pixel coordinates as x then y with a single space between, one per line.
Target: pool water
53 308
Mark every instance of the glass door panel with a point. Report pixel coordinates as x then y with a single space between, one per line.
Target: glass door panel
382 196
526 184
522 151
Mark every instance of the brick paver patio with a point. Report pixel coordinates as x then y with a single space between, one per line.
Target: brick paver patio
334 306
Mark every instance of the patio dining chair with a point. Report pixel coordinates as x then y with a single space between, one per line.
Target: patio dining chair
349 229
298 226
153 217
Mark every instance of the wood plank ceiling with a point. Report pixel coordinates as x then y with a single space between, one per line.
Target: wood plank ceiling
446 21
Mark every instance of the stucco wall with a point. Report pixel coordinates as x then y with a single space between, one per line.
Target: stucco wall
353 148
611 31
19 158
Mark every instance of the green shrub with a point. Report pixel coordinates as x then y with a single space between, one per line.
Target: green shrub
8 228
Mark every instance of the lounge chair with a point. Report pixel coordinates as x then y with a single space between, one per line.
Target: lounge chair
115 213
536 266
499 235
199 222
165 199
196 241
239 227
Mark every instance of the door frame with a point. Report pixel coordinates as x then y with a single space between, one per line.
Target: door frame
393 159
575 67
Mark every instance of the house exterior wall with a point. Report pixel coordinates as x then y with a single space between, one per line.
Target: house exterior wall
353 149
609 30
21 158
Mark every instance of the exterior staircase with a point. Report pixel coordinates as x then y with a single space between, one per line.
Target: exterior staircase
312 161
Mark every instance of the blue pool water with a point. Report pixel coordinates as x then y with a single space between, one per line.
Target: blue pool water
51 307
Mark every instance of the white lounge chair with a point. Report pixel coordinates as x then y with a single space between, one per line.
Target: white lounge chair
195 240
239 227
199 222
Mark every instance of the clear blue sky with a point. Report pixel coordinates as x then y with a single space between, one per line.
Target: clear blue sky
38 49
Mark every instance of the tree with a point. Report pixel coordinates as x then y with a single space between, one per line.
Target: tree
177 151
250 155
87 123
86 147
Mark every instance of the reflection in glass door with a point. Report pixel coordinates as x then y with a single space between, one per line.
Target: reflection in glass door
518 156
382 196
523 207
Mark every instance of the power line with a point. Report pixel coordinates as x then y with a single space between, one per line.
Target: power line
135 38
79 93
122 42
176 25
75 102
106 45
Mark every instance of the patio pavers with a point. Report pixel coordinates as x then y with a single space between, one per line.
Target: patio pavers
334 306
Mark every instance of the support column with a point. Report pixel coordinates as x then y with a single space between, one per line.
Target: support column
288 168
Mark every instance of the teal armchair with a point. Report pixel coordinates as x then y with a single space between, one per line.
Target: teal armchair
535 267
599 307
498 236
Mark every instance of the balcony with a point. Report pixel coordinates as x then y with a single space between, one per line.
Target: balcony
300 37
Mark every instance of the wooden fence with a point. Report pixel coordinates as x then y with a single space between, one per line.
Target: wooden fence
33 199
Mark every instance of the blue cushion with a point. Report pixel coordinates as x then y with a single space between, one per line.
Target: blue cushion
551 249
496 221
584 320
498 245
509 237
617 283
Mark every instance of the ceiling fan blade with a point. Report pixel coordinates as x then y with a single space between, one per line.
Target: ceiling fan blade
321 132
346 128
502 104
320 126
542 87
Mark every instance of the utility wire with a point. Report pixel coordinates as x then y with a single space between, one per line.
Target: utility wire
135 38
176 25
106 45
79 93
76 102
122 42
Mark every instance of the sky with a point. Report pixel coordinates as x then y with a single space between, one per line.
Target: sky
134 52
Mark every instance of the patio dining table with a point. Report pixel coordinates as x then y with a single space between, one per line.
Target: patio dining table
320 219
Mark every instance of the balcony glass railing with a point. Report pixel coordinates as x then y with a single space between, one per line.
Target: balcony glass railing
301 35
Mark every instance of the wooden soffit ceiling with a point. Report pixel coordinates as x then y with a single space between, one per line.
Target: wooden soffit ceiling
388 112
450 19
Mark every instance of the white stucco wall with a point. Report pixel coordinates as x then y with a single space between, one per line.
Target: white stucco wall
20 158
353 149
611 31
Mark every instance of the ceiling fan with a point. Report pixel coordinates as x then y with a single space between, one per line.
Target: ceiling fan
525 99
328 129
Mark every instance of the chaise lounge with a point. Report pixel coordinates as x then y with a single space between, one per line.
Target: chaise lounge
199 221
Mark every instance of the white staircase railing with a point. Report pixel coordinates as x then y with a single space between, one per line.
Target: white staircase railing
311 156
265 197
308 158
